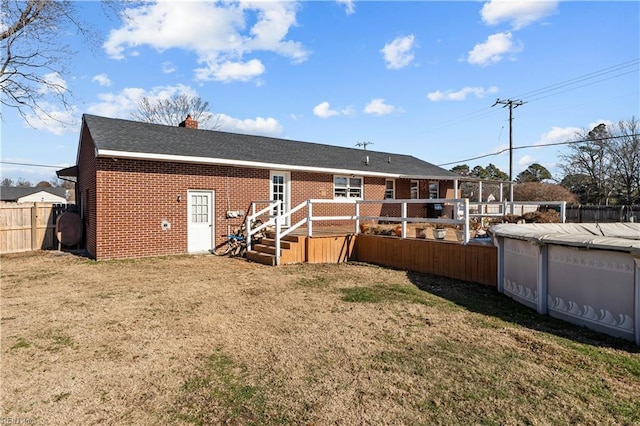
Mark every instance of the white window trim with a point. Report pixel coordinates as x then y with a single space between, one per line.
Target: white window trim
348 187
417 186
393 189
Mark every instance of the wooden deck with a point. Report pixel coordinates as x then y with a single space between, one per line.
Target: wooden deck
475 261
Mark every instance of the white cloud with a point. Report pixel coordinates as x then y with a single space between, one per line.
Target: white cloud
53 84
123 103
221 34
230 71
257 126
461 94
168 67
525 161
565 134
102 80
378 107
610 125
558 135
350 6
323 110
50 118
398 54
492 50
519 13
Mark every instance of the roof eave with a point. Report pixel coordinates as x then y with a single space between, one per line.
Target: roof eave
106 153
67 172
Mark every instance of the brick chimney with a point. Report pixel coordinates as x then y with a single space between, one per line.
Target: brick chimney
189 123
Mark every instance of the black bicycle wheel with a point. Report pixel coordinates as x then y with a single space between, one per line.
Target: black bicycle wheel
223 250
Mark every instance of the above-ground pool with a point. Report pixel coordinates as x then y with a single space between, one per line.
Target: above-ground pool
587 273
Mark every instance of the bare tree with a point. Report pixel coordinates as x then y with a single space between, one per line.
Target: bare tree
604 168
590 158
175 109
624 151
22 182
32 58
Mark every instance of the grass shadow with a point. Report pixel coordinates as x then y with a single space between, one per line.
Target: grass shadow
486 300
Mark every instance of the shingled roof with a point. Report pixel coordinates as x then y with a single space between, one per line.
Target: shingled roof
119 138
14 193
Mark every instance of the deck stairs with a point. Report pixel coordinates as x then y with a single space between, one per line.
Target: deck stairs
291 250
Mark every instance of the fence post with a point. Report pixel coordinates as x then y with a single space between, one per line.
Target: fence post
34 226
563 212
404 219
309 221
278 226
247 227
465 237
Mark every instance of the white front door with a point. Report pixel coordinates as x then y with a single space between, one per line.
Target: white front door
200 229
280 190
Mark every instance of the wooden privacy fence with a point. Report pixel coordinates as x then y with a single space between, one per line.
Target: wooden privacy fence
468 262
29 226
591 214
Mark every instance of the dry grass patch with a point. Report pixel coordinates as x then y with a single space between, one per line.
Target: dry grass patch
208 340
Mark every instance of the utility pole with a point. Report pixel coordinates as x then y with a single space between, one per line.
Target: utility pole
512 104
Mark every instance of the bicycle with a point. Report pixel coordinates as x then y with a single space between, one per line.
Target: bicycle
236 244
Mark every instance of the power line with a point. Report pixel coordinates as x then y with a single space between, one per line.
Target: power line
30 164
564 86
537 146
595 74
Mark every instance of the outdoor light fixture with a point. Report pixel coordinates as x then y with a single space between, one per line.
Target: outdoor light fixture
179 198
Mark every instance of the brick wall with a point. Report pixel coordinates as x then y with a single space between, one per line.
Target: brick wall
126 201
136 197
87 189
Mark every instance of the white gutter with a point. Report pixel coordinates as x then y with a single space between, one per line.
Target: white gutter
241 163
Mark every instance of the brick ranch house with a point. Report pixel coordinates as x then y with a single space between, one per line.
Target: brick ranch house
149 189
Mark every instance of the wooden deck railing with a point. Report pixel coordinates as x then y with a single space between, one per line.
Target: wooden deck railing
461 215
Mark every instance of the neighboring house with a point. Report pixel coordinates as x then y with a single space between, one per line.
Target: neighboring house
148 189
35 194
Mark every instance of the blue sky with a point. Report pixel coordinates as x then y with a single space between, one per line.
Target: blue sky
416 78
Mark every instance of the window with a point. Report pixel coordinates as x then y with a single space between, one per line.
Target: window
434 190
347 187
390 190
199 208
415 189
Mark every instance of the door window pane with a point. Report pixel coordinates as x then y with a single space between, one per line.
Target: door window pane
199 208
